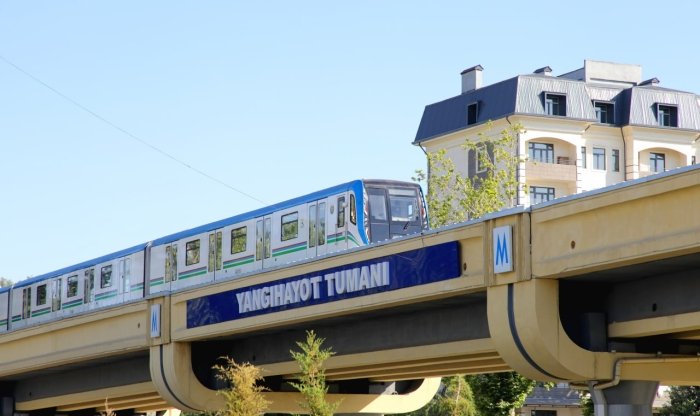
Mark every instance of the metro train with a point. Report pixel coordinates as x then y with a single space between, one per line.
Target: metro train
349 215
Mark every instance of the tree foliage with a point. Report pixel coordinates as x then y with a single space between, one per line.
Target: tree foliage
243 397
5 282
683 401
454 197
312 379
500 393
454 399
587 404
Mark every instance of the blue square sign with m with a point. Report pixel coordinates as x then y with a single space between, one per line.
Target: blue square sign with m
503 249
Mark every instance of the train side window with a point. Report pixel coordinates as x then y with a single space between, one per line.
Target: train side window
321 223
26 302
259 240
268 234
353 211
170 263
219 255
192 253
106 276
41 295
290 226
341 212
312 225
72 286
239 239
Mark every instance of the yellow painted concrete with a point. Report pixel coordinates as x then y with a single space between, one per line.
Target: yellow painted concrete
99 334
625 226
630 225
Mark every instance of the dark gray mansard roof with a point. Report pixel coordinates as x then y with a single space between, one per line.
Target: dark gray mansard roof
524 94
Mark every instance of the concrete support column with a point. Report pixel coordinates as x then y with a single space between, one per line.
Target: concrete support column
7 406
628 398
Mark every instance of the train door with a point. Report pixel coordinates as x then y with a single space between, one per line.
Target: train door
263 234
337 224
317 229
89 286
56 287
26 302
378 214
124 277
170 265
215 257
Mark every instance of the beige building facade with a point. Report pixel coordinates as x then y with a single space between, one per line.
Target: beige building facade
593 127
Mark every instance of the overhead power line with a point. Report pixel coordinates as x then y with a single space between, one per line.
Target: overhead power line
126 132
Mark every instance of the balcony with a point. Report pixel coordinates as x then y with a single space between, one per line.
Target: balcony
564 170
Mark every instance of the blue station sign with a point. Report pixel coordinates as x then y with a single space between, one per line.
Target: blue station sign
383 274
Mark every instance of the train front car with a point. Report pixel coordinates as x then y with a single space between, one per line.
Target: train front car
393 209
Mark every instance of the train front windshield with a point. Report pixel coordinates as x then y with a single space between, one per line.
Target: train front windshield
394 212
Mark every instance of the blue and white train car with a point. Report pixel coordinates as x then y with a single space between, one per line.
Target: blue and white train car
4 310
344 216
107 280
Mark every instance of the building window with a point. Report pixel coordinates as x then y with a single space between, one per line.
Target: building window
192 253
472 113
667 115
604 112
583 157
554 104
657 162
481 158
598 158
541 194
239 237
615 160
544 413
290 226
541 152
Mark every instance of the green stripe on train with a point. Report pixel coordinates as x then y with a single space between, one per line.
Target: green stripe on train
106 296
288 251
193 274
238 263
40 313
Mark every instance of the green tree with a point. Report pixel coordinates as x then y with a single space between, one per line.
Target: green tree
454 197
454 399
243 396
683 401
499 394
312 379
5 282
586 404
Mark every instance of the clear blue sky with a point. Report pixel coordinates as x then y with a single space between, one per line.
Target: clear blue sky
276 99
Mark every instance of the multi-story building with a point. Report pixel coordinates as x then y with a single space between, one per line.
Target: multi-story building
589 128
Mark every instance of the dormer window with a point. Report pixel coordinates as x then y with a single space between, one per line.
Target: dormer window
604 112
472 113
554 104
667 115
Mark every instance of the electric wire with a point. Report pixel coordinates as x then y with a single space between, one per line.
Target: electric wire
126 132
